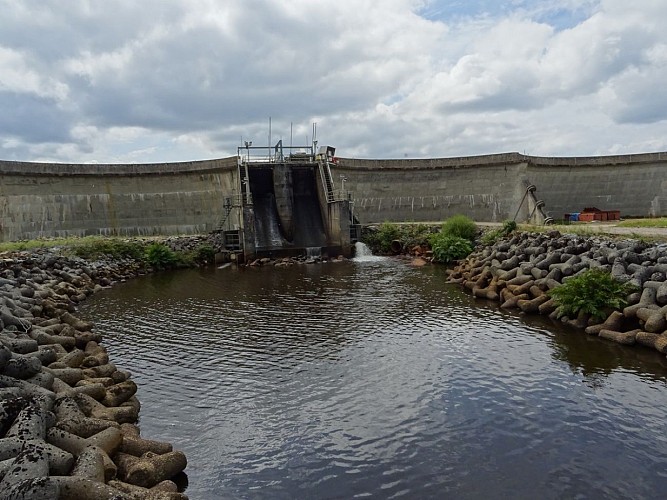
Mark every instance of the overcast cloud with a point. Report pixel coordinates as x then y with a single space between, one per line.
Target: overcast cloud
168 80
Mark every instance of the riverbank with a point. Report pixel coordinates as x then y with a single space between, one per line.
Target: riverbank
519 271
68 414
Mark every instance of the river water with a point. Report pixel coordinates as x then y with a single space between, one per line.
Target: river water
377 379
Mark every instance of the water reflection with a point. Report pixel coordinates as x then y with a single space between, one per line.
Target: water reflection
596 358
378 379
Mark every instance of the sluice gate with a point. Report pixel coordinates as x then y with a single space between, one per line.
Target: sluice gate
285 204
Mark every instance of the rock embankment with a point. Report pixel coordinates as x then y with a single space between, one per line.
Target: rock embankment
67 413
518 272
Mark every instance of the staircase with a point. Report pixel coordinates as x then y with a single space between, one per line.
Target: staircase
327 182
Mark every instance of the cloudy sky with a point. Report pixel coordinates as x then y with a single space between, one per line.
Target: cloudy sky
169 80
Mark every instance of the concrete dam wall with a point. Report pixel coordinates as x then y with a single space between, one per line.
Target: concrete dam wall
491 187
42 199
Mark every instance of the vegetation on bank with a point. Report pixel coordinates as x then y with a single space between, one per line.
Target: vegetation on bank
589 231
658 222
150 252
594 292
447 248
454 240
381 239
490 237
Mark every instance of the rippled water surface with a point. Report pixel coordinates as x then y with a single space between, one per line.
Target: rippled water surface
376 379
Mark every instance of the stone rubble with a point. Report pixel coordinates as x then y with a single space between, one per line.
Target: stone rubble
519 270
291 261
67 413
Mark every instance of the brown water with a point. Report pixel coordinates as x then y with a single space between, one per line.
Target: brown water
375 379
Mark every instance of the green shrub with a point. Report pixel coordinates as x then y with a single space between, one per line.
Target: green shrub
461 227
490 237
161 256
387 233
414 234
447 248
593 292
508 227
379 241
204 254
408 235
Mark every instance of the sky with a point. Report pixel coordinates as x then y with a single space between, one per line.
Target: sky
124 81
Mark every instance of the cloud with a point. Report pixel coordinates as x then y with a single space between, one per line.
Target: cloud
160 81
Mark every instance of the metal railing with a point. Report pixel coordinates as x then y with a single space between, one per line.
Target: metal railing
274 154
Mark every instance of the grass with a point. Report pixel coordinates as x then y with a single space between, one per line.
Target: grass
565 229
145 249
594 230
658 222
108 243
18 246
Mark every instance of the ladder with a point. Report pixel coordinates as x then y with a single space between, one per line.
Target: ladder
327 182
228 206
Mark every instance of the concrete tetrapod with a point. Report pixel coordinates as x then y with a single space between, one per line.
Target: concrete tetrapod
62 403
512 272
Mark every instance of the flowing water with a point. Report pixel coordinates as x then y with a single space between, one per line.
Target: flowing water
370 378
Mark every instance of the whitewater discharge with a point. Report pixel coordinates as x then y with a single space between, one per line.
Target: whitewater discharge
363 254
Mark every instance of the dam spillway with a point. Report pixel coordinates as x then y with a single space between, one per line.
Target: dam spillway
288 206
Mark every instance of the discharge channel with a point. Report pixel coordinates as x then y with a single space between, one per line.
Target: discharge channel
371 378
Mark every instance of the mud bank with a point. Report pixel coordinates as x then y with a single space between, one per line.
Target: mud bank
518 272
67 414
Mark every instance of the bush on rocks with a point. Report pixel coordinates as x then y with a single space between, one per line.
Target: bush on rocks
460 226
595 292
205 254
384 238
614 289
160 256
447 248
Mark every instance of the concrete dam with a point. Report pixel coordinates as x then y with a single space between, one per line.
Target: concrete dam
298 201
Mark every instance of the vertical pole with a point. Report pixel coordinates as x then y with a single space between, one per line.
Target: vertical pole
247 181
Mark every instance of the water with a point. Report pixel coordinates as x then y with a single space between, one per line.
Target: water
363 254
314 252
267 228
374 379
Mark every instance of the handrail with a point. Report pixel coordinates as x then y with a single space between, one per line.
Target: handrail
325 184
